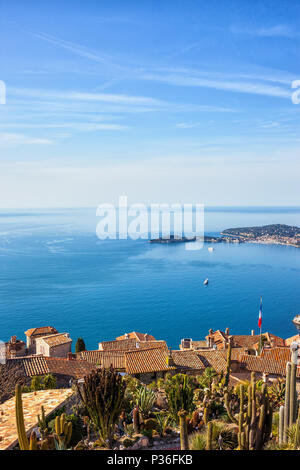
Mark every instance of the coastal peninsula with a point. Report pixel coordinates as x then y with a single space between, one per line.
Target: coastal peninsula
278 234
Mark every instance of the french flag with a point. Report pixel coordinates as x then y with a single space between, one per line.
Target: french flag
260 314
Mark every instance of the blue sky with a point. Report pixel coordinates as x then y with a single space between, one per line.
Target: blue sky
170 101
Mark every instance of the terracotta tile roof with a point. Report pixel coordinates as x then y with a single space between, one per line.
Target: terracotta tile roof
147 360
244 341
187 360
104 358
198 344
290 340
219 338
73 368
215 359
151 344
39 365
31 365
122 345
137 336
57 339
41 330
272 361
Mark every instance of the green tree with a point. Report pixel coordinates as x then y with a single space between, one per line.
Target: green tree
80 345
36 384
49 381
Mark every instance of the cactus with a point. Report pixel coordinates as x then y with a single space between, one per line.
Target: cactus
195 419
255 423
293 394
180 395
42 423
205 416
33 441
184 442
23 441
136 419
227 376
24 444
297 434
102 393
290 403
281 424
209 435
227 406
63 432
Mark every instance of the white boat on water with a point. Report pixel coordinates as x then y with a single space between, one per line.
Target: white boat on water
205 282
210 249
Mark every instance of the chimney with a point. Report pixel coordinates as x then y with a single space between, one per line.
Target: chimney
227 331
146 337
210 332
126 336
13 339
252 332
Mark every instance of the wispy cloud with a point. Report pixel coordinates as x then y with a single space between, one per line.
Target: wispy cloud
8 140
76 49
255 87
85 96
279 30
78 126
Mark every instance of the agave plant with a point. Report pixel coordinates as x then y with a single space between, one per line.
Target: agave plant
197 441
277 393
163 420
144 398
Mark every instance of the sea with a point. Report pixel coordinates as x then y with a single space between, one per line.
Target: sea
55 271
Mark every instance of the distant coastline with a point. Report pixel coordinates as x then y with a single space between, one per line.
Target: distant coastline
275 234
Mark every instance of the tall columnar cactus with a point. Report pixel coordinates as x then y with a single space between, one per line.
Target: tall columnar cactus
289 414
255 417
228 364
136 419
63 432
281 424
24 444
297 433
209 435
23 441
184 441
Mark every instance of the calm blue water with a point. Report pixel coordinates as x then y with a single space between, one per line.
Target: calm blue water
54 271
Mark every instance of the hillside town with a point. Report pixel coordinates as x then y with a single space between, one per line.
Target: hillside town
49 373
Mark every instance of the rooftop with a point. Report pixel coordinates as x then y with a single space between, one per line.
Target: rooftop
41 330
104 358
137 336
56 339
38 365
32 402
271 361
147 360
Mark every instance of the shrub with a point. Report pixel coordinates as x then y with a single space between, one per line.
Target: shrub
150 423
49 382
36 384
127 442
